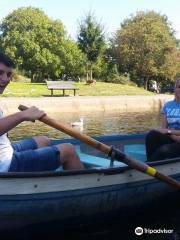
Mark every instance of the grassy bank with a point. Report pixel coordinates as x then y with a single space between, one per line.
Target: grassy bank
99 89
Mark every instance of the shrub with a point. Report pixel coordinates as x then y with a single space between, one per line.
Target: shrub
17 77
122 79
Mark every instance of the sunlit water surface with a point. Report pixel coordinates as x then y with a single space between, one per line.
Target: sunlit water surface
93 125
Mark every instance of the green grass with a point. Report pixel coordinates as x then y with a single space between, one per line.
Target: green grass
16 89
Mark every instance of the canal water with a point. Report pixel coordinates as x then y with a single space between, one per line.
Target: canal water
108 124
93 124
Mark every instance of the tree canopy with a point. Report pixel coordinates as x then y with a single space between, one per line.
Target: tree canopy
145 47
39 45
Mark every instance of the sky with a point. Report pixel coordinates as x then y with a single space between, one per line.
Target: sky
110 13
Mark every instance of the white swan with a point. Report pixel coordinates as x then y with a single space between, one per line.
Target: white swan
80 123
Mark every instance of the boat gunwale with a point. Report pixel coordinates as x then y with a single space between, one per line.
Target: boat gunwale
105 171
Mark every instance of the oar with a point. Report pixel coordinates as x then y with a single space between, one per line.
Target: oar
110 151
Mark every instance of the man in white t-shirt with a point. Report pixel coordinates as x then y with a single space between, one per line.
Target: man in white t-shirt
32 154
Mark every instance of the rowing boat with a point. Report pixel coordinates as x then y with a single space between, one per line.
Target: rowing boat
105 188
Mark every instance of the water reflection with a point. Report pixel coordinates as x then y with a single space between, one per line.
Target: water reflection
94 125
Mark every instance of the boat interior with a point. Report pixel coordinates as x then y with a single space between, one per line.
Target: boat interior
96 161
92 158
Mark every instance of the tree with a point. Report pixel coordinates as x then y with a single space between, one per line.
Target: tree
145 47
38 44
91 40
73 60
105 67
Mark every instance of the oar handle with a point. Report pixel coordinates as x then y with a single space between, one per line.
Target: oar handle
118 155
72 132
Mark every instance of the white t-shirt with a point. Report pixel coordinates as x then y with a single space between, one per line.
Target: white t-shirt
6 151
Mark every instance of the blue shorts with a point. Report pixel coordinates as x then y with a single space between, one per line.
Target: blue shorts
28 158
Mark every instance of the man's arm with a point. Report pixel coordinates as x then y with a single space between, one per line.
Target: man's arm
11 121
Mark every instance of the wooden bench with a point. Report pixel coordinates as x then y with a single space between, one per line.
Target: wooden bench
61 85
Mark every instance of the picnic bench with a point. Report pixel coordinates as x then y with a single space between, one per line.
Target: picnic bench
61 85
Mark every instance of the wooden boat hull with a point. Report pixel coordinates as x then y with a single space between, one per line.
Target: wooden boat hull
77 197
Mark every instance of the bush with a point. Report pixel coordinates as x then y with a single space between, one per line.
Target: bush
17 77
122 79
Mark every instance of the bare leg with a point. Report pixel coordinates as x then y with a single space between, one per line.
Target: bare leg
42 141
69 158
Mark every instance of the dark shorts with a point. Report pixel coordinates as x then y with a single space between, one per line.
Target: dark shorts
27 158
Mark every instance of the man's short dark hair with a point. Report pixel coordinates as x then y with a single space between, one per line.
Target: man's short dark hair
6 60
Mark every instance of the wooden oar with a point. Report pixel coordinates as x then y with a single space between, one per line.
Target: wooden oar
111 152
